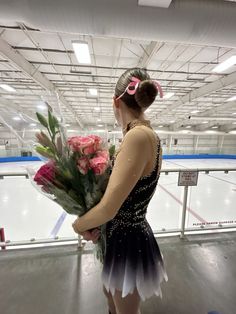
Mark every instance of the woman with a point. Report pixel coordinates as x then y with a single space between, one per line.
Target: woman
133 267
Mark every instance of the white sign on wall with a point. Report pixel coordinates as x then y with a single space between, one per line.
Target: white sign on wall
188 178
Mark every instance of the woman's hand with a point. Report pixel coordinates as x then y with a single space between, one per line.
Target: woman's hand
92 235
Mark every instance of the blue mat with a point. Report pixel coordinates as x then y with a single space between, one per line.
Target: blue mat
16 159
203 156
206 156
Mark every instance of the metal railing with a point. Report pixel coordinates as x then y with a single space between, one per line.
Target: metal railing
179 231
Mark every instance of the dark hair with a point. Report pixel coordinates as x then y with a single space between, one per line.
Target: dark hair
145 93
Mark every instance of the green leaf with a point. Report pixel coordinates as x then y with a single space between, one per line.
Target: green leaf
55 121
51 122
44 151
112 150
42 119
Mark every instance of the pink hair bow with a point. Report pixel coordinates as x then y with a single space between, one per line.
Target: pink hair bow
133 85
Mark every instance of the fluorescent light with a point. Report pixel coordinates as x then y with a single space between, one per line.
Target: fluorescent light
204 122
188 127
234 113
173 121
155 3
234 122
100 125
93 91
16 118
67 124
33 124
7 88
160 126
232 98
210 131
215 127
97 109
99 120
82 52
42 107
168 95
195 111
225 65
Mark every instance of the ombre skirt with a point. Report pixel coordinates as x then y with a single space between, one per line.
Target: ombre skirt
133 260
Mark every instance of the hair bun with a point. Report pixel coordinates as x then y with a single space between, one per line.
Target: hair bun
146 93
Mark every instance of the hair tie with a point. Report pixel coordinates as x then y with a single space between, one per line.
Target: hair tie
133 85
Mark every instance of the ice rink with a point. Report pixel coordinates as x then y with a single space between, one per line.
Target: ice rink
25 213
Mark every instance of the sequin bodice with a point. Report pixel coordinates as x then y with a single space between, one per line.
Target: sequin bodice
133 211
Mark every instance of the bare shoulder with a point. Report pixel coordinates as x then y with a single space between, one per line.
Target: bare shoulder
136 136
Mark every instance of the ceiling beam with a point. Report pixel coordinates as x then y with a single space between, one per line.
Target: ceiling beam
227 127
148 54
25 66
207 89
205 126
209 112
224 106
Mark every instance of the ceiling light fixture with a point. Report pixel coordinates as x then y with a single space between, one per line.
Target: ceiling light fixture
81 50
195 111
93 92
231 98
42 107
16 118
225 65
7 88
155 3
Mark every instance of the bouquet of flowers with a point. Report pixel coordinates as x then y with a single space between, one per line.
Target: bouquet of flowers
76 173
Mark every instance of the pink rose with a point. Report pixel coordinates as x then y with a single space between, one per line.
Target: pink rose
45 174
98 165
85 144
83 165
103 153
97 140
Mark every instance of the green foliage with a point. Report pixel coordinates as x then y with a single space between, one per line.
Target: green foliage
51 121
42 119
45 151
112 151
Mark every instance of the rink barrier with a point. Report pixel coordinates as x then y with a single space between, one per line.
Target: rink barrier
2 239
203 156
80 242
182 231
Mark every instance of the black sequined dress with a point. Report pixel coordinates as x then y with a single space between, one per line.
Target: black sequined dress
133 258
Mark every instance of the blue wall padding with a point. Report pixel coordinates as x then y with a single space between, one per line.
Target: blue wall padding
34 158
16 159
204 156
